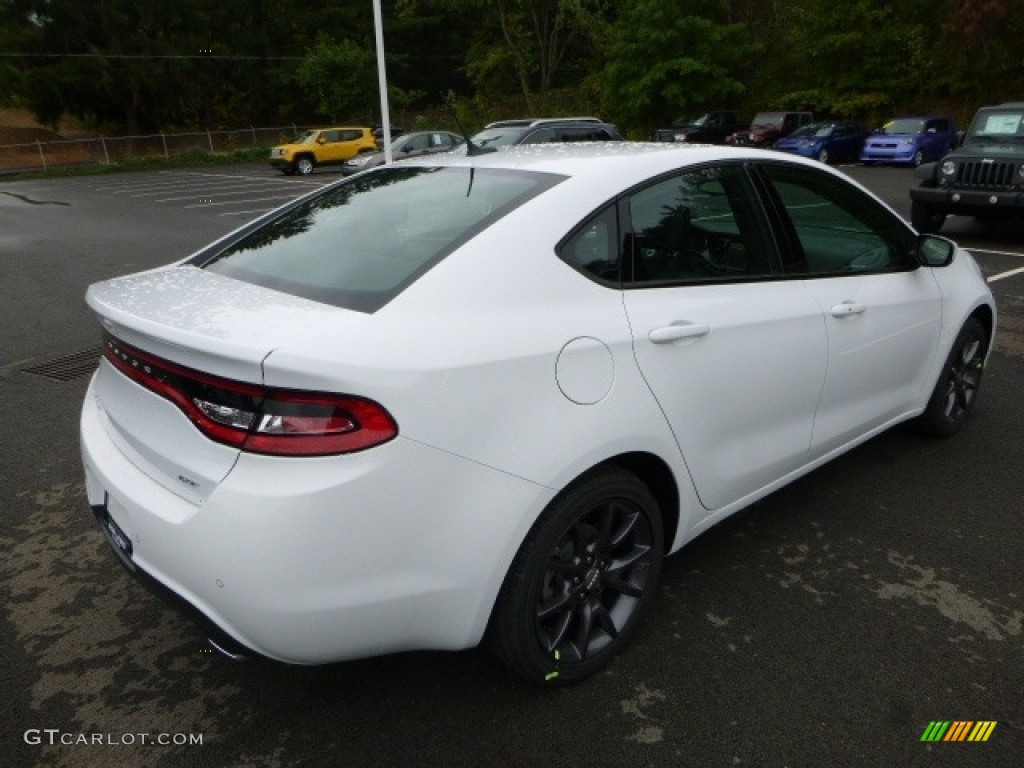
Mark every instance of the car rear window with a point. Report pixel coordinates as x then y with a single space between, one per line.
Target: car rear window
360 243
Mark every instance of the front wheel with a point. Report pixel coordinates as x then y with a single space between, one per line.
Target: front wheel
957 388
304 165
823 156
925 220
581 580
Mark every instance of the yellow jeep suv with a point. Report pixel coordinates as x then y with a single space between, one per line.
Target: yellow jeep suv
322 146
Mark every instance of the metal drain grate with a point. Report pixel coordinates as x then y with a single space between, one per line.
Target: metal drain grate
68 367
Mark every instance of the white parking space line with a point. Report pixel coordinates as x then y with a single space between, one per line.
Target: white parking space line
218 192
156 189
997 253
289 196
1002 275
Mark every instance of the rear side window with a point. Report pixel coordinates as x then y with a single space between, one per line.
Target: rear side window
361 243
697 226
593 247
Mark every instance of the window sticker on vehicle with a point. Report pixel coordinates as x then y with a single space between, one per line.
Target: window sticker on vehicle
1001 124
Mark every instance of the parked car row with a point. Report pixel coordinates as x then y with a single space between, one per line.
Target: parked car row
900 141
358 148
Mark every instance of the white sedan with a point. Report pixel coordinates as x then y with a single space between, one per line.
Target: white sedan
480 398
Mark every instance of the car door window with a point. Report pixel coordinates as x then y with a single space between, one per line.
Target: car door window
835 228
702 225
418 143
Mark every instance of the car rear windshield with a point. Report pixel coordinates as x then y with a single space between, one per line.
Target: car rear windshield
360 243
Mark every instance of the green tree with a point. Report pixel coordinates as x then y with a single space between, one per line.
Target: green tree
340 76
664 59
981 57
529 42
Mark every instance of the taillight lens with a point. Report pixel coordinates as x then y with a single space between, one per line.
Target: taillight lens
258 419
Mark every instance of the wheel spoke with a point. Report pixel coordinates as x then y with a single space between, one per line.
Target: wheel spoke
623 587
558 632
557 602
584 627
624 561
604 621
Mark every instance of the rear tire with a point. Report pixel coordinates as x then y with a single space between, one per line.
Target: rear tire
957 388
581 581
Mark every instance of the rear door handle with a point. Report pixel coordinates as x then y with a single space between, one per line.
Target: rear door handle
669 333
847 308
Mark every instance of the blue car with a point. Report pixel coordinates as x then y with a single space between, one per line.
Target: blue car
828 142
910 141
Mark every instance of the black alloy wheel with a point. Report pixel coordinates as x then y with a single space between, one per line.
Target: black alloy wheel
581 580
957 388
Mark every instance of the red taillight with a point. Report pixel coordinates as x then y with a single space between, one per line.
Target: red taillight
258 419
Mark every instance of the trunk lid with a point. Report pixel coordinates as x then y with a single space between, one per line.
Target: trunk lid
206 322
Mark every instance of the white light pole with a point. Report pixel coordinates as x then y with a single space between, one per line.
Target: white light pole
382 81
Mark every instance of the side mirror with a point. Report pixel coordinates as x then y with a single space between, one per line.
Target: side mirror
935 251
319 139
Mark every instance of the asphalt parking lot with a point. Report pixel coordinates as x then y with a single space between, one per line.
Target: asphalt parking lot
827 625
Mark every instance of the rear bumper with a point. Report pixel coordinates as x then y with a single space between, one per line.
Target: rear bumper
396 548
223 641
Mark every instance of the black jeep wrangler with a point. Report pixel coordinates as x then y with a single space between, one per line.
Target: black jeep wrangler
983 177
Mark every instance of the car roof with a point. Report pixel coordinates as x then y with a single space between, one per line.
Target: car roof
620 163
530 122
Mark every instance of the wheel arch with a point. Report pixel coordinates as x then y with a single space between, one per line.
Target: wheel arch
987 318
658 477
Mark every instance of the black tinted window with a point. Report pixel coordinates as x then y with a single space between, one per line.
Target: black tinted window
361 243
838 228
593 248
702 225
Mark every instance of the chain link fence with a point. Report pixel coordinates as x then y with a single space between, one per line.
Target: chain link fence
106 150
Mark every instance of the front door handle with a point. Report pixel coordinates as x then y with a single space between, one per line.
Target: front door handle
847 308
669 333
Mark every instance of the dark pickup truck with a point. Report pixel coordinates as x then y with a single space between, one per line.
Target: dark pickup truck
703 128
983 177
